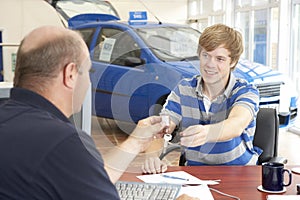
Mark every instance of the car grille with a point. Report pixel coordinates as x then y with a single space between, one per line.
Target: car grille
269 89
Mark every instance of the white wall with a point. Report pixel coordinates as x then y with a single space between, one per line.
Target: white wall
17 18
174 11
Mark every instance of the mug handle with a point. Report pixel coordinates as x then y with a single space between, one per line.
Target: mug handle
290 176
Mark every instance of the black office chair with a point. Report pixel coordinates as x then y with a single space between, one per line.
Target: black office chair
265 137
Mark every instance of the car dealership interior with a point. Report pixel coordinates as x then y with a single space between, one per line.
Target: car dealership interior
141 49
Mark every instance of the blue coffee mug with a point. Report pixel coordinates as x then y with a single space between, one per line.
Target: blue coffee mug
273 176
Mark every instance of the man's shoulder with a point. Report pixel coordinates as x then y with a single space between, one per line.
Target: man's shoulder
242 83
34 121
191 81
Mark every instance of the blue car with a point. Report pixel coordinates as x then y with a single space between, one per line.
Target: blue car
136 65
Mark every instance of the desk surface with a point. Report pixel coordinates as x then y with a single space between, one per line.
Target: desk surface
240 181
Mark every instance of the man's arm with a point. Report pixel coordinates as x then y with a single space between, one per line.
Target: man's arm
117 160
238 119
152 163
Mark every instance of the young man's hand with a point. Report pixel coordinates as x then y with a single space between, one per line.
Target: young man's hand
193 136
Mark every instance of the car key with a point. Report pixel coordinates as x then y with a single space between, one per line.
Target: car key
165 119
167 138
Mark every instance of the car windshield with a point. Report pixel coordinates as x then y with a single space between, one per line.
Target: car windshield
171 43
70 8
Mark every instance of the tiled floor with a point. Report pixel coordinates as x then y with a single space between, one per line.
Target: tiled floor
107 133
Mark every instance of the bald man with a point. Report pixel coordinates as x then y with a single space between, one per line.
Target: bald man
43 156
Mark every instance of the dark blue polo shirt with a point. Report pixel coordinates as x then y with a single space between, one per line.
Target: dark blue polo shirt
43 156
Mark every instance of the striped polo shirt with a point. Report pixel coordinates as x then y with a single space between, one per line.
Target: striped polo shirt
186 106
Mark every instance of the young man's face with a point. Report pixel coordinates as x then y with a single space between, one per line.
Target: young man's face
215 66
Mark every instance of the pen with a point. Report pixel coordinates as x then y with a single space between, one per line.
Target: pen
174 177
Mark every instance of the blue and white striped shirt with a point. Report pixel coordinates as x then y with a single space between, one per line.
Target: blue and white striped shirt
185 106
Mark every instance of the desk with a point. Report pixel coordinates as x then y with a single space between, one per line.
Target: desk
240 181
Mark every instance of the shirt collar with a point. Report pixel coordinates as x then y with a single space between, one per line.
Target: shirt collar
232 80
231 83
35 100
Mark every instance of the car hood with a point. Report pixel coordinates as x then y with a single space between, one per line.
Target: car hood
257 73
185 68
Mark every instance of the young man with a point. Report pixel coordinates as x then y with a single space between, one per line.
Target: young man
43 156
215 112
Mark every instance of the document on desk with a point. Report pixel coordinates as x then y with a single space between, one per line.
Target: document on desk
178 177
192 185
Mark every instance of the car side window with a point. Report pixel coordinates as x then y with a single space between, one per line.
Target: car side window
87 35
115 46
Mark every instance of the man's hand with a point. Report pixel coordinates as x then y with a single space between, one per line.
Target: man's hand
154 165
194 136
146 130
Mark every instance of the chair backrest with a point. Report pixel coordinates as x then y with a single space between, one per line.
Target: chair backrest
266 133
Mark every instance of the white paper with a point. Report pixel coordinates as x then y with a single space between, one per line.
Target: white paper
107 48
283 197
158 178
201 189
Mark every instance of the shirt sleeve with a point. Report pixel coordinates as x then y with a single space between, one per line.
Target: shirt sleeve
248 97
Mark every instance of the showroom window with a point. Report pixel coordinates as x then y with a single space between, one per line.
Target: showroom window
202 13
295 45
270 29
259 22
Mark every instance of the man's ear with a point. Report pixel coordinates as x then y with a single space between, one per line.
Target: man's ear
70 75
232 65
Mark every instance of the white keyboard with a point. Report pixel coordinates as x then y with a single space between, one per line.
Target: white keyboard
147 191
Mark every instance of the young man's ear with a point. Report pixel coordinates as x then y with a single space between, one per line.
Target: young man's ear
70 74
232 65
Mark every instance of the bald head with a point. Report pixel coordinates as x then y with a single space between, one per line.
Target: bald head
43 53
43 35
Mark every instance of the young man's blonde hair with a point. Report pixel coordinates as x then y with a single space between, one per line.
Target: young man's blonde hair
221 35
